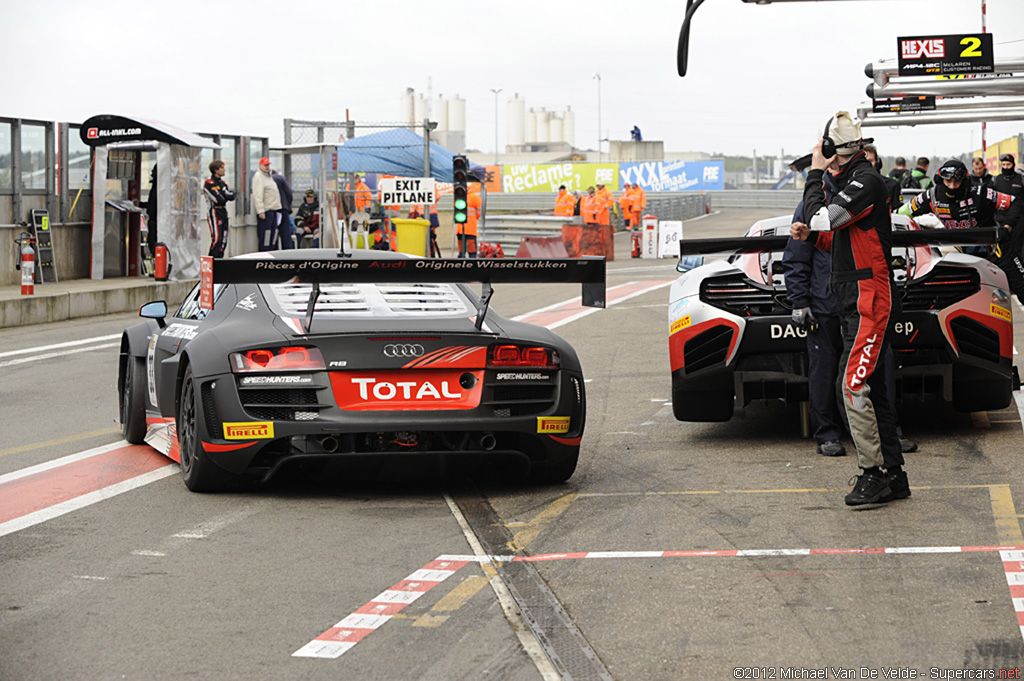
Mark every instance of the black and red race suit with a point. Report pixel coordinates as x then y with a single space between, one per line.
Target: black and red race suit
979 206
219 194
859 235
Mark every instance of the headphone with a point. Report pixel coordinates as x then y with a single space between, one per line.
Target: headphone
828 145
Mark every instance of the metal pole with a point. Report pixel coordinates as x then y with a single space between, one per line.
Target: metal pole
598 77
426 147
496 124
984 124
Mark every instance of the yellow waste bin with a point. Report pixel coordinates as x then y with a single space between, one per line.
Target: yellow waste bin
412 235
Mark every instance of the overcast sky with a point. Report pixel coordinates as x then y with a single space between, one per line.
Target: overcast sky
760 77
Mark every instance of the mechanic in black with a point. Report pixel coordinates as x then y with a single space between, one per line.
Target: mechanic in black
218 192
855 225
893 186
1009 181
807 270
979 173
958 205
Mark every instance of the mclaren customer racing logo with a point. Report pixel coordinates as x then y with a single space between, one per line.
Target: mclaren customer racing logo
553 424
260 430
403 350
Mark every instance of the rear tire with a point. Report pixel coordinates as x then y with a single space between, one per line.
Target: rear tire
559 472
197 471
133 401
702 405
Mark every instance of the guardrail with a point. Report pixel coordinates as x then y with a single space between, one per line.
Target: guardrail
508 230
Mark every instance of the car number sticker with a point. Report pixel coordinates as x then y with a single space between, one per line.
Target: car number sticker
553 424
260 430
1000 312
679 324
183 331
151 368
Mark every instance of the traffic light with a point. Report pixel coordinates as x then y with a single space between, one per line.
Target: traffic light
460 189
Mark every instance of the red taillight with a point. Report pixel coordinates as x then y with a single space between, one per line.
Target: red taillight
516 356
278 359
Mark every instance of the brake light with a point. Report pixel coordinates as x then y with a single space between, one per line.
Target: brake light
516 356
295 358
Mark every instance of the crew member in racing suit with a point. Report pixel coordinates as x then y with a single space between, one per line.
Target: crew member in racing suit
959 205
219 194
855 225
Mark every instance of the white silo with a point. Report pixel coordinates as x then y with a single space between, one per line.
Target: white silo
407 107
516 121
420 110
543 128
457 114
569 126
440 113
531 127
555 127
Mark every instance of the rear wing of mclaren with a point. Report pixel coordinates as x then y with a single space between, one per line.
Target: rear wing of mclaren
588 271
757 244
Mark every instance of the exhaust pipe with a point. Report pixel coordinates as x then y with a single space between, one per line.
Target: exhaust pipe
487 442
328 443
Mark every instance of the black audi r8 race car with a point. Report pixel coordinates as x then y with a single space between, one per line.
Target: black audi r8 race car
732 340
311 354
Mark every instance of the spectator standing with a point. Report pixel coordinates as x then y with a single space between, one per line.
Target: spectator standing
307 219
626 206
266 199
286 227
218 193
899 169
151 238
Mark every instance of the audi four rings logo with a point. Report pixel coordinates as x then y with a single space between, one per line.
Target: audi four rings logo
403 350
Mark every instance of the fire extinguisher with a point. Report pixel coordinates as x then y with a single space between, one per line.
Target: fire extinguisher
27 264
161 267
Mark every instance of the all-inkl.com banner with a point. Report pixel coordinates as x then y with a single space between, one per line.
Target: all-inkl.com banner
548 177
669 176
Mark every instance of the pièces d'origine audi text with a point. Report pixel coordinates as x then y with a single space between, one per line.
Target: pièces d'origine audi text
311 354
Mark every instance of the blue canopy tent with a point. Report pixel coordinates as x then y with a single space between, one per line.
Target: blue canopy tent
398 151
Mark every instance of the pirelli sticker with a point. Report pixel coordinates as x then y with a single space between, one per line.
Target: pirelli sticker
1000 312
679 324
553 425
250 430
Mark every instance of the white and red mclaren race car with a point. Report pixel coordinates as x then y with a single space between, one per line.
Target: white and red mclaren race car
732 341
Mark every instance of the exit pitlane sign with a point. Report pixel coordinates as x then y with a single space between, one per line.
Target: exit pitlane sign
395 190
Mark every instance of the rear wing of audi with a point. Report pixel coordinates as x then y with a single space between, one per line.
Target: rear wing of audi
589 271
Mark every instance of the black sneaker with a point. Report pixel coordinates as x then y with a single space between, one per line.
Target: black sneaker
899 487
832 448
869 489
907 445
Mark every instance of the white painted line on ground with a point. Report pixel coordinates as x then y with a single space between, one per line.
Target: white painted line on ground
64 460
44 348
86 500
51 355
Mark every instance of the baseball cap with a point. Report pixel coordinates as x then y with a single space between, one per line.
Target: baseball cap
264 161
310 192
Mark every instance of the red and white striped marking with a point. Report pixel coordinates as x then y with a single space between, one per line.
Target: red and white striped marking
39 493
344 635
1013 564
340 638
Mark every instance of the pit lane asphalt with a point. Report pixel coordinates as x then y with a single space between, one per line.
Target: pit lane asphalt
86 595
